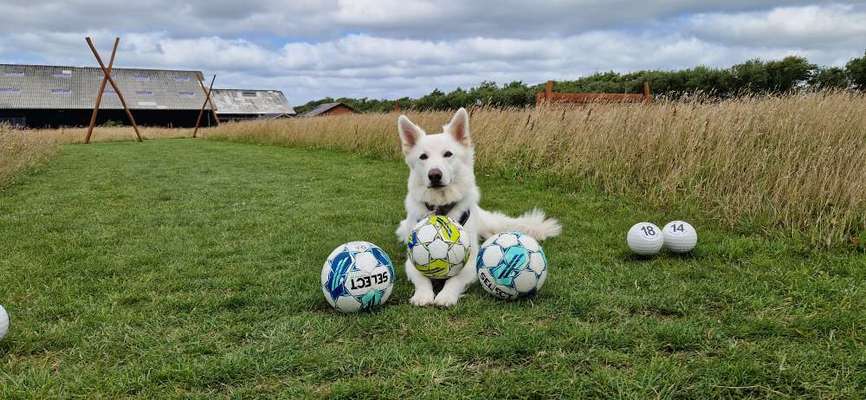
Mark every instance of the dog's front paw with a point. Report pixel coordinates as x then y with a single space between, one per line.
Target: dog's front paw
422 298
446 298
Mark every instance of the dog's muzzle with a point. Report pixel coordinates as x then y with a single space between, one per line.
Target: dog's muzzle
435 178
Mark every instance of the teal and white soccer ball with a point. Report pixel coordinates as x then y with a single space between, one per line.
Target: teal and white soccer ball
438 247
511 265
357 276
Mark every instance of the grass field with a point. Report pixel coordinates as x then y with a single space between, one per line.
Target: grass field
189 268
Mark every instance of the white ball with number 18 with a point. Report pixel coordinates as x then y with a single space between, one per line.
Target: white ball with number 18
645 238
680 237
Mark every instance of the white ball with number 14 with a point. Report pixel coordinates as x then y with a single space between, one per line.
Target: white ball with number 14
645 238
680 237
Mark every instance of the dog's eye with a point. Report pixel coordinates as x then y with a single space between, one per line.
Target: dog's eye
423 156
448 154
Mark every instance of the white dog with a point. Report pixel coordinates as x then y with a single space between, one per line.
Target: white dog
442 181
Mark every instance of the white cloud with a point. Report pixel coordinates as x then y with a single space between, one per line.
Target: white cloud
378 13
801 27
392 48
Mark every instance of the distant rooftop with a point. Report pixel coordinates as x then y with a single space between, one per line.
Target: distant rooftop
323 108
251 102
64 87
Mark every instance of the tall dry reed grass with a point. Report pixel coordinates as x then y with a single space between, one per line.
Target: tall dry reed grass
18 152
793 163
106 134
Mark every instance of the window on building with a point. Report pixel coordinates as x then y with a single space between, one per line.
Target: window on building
61 91
186 94
66 73
9 90
13 73
144 93
249 94
182 79
140 78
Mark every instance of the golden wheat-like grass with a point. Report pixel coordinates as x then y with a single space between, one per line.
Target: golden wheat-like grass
19 152
792 163
106 134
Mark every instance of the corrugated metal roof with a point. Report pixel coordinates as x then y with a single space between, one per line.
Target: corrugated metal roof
253 102
59 87
323 108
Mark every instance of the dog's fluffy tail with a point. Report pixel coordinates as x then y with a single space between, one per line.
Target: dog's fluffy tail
532 223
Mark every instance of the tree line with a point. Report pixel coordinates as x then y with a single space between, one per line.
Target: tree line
751 77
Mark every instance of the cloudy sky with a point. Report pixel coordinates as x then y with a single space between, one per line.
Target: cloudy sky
393 48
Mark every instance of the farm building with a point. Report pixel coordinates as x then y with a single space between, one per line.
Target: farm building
242 104
53 96
329 109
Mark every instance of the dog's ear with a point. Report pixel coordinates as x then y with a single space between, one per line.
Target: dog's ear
458 128
409 133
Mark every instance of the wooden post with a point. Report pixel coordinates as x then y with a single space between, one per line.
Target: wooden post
213 107
213 110
114 85
396 105
548 90
647 93
203 105
101 91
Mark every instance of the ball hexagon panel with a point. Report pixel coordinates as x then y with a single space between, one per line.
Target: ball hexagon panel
347 304
420 256
426 234
365 262
537 262
506 240
529 243
438 249
491 256
525 281
457 254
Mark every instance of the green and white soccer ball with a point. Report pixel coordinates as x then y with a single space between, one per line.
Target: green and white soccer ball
511 265
357 276
438 247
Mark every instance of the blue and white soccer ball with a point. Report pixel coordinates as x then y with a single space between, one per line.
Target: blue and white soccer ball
511 265
357 276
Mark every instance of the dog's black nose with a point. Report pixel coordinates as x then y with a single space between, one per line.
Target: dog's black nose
435 176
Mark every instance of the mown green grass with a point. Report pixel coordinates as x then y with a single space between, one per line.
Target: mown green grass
182 268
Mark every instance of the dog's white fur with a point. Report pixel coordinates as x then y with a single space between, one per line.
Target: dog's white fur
457 186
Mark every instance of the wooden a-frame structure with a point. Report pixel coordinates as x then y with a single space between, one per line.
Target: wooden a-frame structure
207 99
106 79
